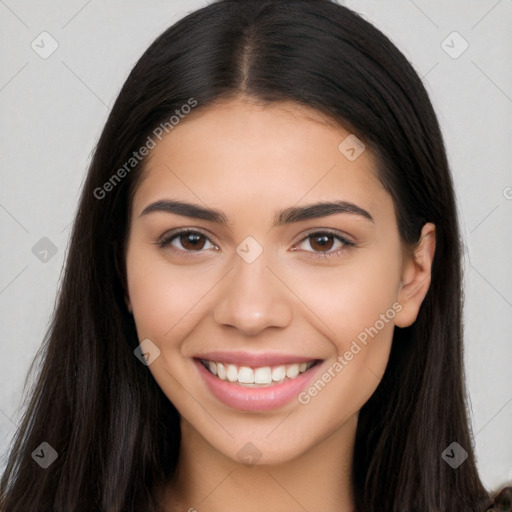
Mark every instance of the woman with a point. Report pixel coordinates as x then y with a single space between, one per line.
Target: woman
261 306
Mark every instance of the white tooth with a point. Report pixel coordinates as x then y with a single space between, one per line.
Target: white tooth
221 371
246 375
292 371
263 375
232 373
278 373
303 367
213 367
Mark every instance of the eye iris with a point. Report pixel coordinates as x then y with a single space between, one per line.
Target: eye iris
190 241
325 242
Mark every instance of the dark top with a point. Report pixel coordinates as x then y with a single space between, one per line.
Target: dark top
502 502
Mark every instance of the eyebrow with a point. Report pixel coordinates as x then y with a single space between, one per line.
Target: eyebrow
283 217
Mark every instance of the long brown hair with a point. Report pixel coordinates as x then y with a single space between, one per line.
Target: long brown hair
116 434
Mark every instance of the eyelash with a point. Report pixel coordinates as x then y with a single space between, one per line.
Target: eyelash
165 241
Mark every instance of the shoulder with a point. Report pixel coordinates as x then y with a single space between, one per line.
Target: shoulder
502 501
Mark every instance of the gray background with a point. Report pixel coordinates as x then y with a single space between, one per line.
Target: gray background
53 110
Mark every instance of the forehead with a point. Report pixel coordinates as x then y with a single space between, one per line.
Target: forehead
280 151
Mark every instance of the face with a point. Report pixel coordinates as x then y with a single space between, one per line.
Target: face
257 284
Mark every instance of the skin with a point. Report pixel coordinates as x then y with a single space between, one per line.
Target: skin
251 160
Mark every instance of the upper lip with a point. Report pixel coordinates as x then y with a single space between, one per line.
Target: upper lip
253 359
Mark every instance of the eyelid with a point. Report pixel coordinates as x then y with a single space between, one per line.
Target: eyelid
329 231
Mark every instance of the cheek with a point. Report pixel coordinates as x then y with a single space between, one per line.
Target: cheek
355 307
163 296
351 298
359 310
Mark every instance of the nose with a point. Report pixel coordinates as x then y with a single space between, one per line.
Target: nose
252 298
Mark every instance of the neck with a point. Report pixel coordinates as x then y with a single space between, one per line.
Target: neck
208 480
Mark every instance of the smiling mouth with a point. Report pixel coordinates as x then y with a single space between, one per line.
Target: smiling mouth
262 376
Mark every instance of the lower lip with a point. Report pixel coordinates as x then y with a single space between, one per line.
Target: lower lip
255 399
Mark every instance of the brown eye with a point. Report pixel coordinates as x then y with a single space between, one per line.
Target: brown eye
325 244
322 242
192 241
187 242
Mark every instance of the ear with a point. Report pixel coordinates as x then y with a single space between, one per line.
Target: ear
416 273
